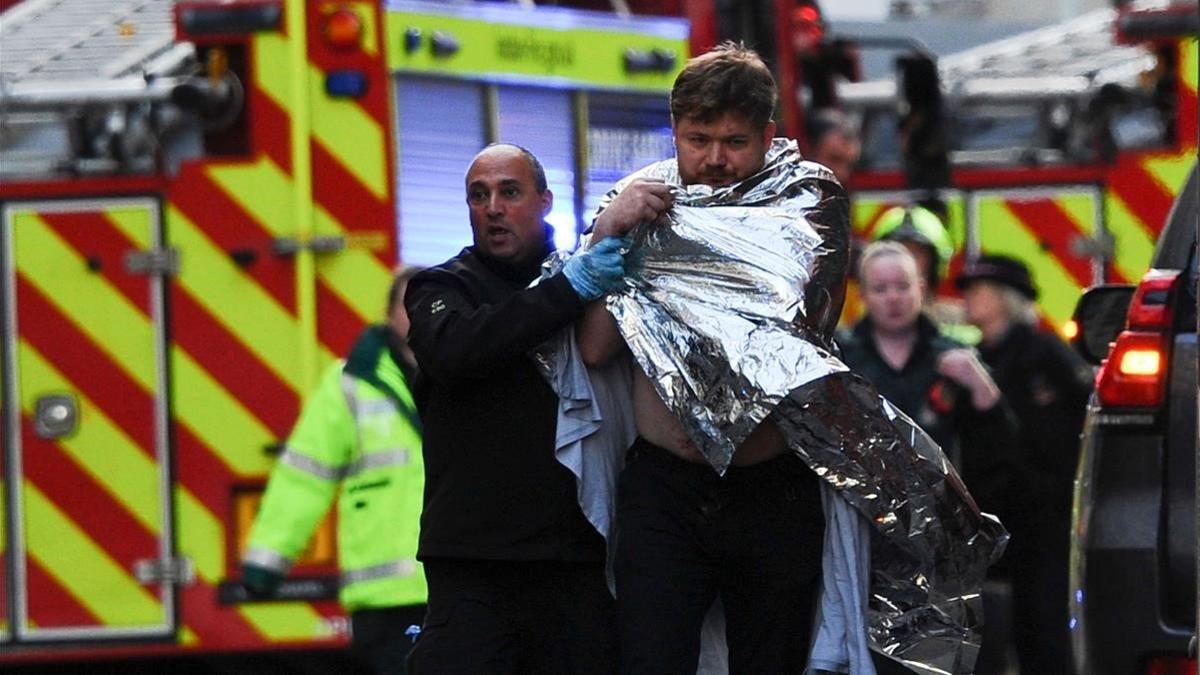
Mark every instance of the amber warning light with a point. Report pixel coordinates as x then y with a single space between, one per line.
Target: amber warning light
342 29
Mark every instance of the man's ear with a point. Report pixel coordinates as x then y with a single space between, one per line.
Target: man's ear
547 202
768 132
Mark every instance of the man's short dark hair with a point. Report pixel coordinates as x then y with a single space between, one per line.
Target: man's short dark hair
729 79
539 173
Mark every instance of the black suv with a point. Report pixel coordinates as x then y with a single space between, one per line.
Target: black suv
1133 544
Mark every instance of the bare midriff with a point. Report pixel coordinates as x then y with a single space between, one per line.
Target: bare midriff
656 424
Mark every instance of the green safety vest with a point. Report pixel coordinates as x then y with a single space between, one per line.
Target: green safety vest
359 432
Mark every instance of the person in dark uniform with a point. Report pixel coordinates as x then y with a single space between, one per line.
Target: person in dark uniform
942 385
515 571
1047 385
938 382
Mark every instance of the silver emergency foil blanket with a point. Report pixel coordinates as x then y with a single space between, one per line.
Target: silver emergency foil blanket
726 311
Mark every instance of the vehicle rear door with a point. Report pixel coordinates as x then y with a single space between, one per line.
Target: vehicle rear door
86 463
1177 250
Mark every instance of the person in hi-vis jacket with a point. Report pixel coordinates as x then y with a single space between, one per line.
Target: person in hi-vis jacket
358 442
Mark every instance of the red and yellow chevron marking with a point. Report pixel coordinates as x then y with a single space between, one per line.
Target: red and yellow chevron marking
1141 187
1188 114
348 162
1041 228
90 501
1138 194
241 331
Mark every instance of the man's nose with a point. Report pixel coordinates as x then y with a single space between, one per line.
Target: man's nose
716 155
495 205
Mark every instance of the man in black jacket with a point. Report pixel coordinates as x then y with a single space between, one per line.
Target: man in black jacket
515 570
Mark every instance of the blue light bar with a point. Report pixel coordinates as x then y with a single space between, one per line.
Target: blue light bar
346 84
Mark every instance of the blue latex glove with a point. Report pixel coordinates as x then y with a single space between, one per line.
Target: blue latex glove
598 270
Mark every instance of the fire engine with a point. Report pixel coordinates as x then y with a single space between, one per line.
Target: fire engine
1063 147
199 203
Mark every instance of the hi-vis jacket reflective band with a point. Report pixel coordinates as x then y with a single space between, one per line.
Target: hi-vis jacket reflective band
267 558
374 460
356 442
399 568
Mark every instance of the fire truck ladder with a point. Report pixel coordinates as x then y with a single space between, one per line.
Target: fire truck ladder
1064 60
73 52
1063 77
84 86
1074 57
44 40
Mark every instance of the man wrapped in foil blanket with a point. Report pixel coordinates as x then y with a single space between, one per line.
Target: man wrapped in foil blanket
734 274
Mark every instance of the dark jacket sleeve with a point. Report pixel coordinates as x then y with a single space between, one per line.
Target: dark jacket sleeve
1052 433
1072 377
455 336
826 292
991 456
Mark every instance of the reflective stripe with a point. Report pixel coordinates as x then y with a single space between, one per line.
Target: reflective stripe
398 568
376 460
350 391
267 558
309 465
359 408
373 460
379 406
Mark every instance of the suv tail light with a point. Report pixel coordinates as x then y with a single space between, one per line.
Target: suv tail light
1171 665
1134 374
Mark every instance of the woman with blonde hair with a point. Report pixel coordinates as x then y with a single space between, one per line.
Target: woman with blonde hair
938 382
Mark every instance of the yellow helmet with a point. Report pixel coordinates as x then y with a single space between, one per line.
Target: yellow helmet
920 225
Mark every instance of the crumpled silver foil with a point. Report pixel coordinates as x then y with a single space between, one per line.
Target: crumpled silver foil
728 308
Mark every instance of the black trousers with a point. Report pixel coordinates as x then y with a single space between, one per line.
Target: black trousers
686 534
488 617
1040 559
378 636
